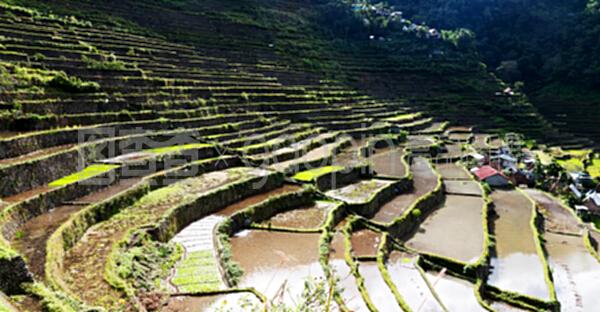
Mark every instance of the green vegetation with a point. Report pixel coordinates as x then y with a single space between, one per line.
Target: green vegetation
404 117
108 62
197 272
311 175
21 77
89 172
176 148
594 168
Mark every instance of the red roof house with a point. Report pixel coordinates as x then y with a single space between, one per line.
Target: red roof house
490 175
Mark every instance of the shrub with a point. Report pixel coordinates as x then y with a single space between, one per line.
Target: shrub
72 84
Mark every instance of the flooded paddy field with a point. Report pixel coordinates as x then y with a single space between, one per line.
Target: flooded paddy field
575 271
308 217
410 283
379 293
275 262
456 294
388 162
424 181
226 302
365 242
454 230
516 265
467 188
452 171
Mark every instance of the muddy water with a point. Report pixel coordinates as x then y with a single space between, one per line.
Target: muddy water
410 283
557 217
226 302
349 155
452 171
36 154
95 246
575 271
26 195
424 181
380 294
455 294
365 242
252 200
453 150
310 217
463 188
419 140
462 137
276 262
389 162
36 231
516 266
455 230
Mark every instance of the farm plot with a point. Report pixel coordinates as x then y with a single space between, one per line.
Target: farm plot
516 265
424 181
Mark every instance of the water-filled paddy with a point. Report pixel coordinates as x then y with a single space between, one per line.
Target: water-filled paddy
424 181
575 271
456 294
463 188
365 242
516 266
452 171
455 230
410 282
309 217
389 162
380 294
225 302
275 260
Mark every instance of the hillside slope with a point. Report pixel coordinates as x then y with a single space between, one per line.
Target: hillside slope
303 42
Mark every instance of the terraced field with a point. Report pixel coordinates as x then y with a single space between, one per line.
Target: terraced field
163 177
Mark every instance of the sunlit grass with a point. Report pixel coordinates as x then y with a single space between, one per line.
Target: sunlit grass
594 169
176 148
89 172
310 175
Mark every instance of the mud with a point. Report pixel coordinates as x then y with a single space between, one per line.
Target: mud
35 233
310 217
359 192
36 154
252 200
365 242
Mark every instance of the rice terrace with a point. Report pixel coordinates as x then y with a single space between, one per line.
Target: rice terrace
288 155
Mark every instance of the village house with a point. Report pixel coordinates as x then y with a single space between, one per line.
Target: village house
491 176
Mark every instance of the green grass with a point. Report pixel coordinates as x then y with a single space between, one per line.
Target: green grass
89 172
404 117
571 164
198 272
310 175
176 148
594 169
545 158
596 221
